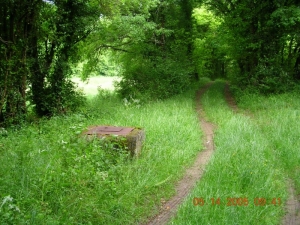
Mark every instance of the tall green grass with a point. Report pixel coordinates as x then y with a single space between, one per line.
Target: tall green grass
243 167
49 175
279 119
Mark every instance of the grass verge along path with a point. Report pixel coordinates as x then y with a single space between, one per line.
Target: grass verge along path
243 182
292 216
193 173
278 118
48 175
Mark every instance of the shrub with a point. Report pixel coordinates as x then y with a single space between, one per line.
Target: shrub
267 78
153 79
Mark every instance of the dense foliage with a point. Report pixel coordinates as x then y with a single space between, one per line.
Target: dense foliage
163 57
154 45
263 40
38 43
161 45
210 47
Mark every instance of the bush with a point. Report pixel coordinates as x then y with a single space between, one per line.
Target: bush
267 78
69 100
157 79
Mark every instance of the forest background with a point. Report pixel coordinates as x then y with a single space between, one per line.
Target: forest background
160 48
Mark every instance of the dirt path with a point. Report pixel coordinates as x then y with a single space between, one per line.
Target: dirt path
292 207
194 173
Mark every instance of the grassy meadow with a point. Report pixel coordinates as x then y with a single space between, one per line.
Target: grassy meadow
90 86
49 175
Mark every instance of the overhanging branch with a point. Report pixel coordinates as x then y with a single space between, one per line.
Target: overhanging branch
5 42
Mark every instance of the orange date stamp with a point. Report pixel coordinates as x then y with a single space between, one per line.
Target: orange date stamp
241 201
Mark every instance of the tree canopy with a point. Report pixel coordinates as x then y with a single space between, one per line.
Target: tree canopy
263 40
163 46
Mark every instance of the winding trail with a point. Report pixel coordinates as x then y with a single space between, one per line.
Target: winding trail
194 173
292 208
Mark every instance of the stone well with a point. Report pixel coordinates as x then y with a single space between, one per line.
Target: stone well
134 136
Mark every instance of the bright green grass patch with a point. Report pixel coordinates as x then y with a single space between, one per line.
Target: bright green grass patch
243 166
50 176
91 86
279 119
